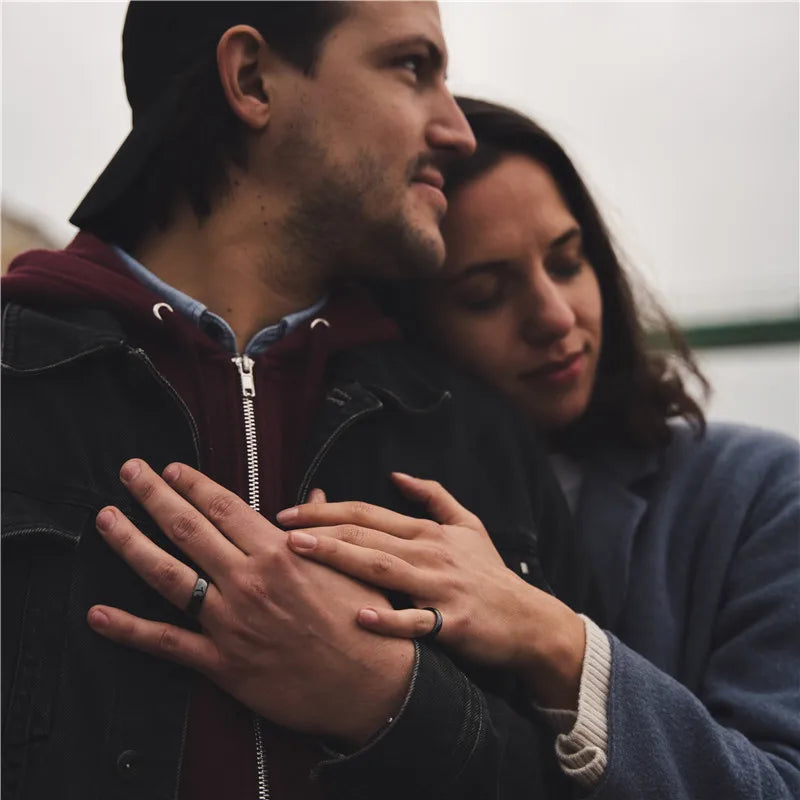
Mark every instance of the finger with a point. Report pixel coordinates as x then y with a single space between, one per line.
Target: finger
171 578
312 515
226 511
366 538
442 505
316 496
376 567
408 623
184 525
160 639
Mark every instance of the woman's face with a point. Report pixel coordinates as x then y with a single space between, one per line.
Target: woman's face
517 301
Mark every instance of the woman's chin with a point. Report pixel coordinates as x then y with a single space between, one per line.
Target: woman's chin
555 416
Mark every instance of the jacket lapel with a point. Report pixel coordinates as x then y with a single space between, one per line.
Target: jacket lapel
608 517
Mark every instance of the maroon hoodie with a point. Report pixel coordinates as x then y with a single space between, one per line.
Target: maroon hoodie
219 756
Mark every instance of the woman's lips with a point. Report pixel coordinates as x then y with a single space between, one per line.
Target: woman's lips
558 373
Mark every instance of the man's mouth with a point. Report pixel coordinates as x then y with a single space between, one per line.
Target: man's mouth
432 177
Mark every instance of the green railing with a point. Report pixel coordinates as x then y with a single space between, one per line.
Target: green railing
750 333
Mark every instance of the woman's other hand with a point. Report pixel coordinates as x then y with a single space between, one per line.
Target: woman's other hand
490 615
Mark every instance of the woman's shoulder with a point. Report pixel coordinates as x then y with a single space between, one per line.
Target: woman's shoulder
742 446
732 466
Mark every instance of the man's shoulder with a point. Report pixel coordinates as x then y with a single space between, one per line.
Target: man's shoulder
422 373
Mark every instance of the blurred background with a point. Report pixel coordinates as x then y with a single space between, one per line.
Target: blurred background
683 118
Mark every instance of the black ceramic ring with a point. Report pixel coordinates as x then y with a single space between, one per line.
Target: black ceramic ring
198 595
437 625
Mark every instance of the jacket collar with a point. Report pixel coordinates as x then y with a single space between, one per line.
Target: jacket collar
397 373
35 340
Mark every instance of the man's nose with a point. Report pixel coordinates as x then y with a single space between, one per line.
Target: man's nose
449 129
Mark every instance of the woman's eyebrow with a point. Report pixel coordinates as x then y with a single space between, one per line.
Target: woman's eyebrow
565 237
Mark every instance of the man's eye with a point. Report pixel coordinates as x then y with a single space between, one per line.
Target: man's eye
411 63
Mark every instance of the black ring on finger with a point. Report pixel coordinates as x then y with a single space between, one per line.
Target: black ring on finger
198 595
438 621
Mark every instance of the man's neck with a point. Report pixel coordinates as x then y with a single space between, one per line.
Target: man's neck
235 262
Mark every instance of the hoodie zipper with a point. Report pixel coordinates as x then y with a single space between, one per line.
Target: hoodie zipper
244 365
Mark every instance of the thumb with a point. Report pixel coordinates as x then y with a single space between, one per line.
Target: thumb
441 504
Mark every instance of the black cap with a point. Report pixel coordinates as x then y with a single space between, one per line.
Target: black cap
160 41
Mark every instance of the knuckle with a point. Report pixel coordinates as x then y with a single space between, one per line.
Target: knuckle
165 576
381 564
351 534
360 510
167 641
184 526
439 555
124 537
254 589
221 507
146 490
432 529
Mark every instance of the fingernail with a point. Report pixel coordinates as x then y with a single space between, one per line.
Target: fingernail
171 473
302 540
403 475
104 519
369 616
130 469
98 619
287 515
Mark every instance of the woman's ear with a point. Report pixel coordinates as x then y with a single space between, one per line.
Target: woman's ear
243 61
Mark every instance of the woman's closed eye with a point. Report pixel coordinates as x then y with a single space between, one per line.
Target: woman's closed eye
480 292
563 269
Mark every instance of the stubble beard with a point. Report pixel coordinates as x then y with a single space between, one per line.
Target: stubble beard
351 223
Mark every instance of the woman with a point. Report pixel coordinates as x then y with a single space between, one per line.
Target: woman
682 677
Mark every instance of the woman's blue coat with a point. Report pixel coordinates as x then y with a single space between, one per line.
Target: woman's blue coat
693 565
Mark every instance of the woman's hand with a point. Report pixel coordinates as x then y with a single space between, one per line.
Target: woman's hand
490 614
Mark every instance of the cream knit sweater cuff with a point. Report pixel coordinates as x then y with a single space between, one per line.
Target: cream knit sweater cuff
582 741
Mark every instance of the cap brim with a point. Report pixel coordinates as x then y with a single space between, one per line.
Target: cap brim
128 162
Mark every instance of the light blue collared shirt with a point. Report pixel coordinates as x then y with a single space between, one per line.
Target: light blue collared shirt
209 322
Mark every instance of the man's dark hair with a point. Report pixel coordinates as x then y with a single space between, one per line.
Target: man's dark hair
203 137
637 388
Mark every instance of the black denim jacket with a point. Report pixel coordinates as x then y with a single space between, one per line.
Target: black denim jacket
84 718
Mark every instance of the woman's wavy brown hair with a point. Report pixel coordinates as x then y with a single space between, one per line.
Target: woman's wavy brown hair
639 388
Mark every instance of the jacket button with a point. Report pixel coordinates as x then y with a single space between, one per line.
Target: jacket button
128 762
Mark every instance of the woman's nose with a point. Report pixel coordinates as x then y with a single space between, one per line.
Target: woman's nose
548 313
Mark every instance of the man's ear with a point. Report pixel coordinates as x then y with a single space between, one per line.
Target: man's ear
242 61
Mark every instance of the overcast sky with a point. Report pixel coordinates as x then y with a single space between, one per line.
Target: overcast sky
683 117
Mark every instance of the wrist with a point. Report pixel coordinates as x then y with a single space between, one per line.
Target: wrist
380 702
551 663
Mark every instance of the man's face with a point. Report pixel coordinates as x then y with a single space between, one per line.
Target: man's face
362 142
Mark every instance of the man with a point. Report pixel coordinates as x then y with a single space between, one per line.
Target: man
277 150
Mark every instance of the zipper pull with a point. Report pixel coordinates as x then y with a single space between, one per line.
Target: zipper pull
245 366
